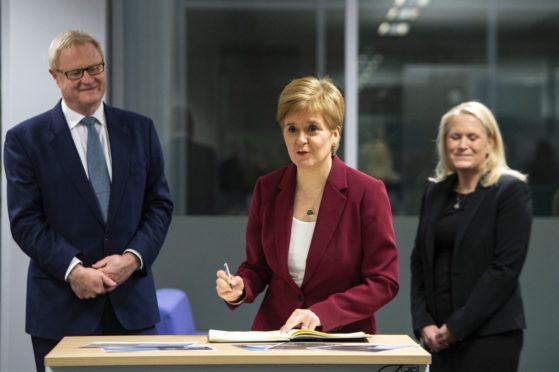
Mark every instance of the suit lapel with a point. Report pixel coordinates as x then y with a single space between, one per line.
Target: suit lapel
120 141
331 210
65 149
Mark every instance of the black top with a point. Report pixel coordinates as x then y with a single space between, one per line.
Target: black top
445 236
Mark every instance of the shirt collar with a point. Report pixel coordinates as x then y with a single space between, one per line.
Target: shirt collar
73 118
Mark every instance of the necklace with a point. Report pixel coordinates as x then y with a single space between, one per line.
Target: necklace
458 200
311 210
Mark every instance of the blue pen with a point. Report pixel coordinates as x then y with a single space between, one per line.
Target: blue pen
228 274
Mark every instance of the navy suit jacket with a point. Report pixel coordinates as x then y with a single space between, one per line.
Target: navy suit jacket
490 248
352 264
55 216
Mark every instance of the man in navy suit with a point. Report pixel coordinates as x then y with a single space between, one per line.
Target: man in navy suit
90 268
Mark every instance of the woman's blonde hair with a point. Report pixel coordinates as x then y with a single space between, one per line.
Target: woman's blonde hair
495 164
315 95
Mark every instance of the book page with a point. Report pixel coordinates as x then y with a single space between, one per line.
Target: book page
246 336
306 333
275 336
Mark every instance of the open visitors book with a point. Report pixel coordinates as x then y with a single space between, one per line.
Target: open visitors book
276 336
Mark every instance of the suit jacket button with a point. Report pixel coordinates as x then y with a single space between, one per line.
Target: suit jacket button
301 297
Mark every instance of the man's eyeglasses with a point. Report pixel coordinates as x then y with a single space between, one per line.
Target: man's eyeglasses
78 73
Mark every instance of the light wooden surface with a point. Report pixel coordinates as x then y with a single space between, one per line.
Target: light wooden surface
69 353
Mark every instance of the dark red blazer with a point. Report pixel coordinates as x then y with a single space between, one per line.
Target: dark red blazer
352 265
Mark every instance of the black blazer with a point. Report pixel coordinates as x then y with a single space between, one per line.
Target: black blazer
489 252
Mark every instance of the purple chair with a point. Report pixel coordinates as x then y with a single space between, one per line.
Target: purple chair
175 313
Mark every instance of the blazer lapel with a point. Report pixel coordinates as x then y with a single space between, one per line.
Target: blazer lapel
331 210
474 202
65 149
120 141
283 216
438 196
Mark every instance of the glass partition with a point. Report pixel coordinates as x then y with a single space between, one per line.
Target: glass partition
209 73
228 64
419 58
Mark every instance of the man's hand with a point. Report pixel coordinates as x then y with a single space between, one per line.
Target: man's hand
118 267
88 283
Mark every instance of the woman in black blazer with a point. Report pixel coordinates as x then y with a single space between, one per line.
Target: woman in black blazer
470 247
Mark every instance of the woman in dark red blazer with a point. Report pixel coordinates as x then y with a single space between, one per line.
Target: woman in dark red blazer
471 244
319 234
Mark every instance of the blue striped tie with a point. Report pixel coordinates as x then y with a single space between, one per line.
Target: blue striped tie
97 166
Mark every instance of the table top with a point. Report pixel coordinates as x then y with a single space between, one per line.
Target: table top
69 352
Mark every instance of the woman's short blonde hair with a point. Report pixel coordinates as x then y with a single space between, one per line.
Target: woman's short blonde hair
315 95
68 39
495 165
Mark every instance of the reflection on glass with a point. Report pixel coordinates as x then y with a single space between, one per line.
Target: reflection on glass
234 74
498 52
192 167
494 52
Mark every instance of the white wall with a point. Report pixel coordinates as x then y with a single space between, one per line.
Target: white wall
28 26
